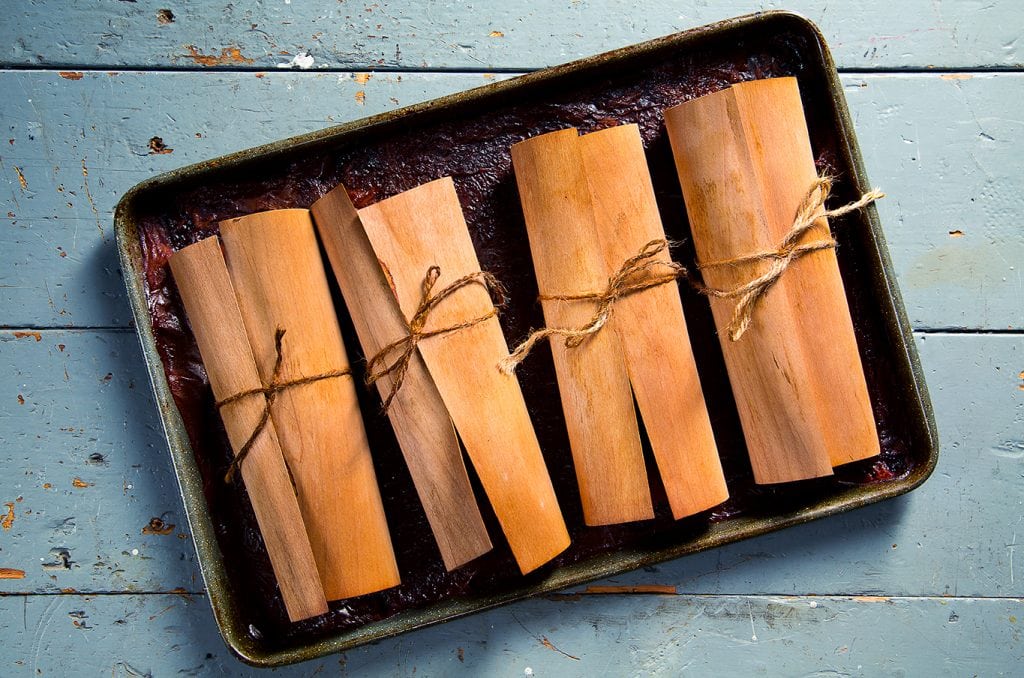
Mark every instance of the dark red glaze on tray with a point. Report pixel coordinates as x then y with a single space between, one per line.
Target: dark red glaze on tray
473 147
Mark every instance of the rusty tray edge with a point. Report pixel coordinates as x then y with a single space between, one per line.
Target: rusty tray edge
219 589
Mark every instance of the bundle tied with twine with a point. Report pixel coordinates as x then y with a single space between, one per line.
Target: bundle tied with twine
269 391
393 360
643 271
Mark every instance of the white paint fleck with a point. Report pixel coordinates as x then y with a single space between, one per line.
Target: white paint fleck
528 671
135 552
302 61
814 603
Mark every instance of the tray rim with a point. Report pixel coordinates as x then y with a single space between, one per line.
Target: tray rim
223 598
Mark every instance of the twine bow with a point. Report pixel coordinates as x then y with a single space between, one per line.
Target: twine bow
789 250
269 391
404 347
636 274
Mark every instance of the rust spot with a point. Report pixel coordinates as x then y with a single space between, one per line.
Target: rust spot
181 591
228 55
78 482
8 520
363 78
158 526
61 347
956 76
107 377
360 97
164 17
496 34
158 147
11 573
47 486
25 335
665 589
21 178
956 233
69 589
61 251
70 75
21 399
461 654
260 75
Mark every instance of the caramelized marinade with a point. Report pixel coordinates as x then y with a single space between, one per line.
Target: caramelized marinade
471 143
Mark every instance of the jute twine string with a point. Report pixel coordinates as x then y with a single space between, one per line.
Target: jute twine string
789 250
638 273
269 391
400 351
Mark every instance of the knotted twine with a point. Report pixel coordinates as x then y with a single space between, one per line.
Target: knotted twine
269 391
637 274
789 250
404 347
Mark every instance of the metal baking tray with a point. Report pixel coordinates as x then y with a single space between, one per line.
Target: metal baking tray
468 135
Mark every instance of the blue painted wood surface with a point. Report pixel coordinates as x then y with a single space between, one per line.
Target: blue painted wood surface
926 584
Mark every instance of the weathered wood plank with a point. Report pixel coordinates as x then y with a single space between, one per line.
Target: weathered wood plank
940 144
595 635
89 498
517 34
956 535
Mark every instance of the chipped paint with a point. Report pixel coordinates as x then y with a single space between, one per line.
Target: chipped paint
158 526
362 78
957 233
158 147
21 178
303 61
164 17
956 76
227 56
664 589
8 520
496 34
360 97
71 75
11 573
78 482
20 334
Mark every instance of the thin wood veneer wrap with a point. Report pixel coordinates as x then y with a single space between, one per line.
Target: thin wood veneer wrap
410 233
745 164
274 261
589 207
651 325
418 415
209 299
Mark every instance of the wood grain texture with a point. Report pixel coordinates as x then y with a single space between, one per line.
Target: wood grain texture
206 291
775 400
777 136
424 227
651 326
418 415
732 635
956 251
275 265
516 34
592 379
